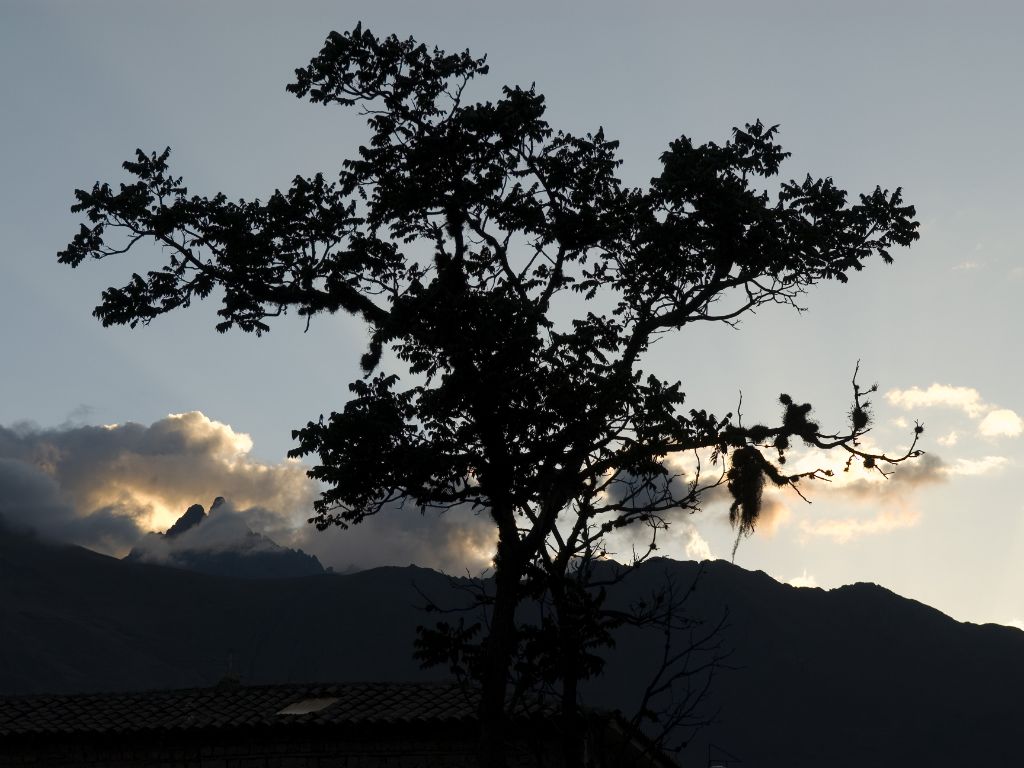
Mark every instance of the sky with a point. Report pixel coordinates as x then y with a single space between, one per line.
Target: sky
108 433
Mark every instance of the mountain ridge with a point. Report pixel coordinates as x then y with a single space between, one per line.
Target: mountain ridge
845 677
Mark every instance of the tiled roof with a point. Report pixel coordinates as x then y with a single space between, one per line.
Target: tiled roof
348 704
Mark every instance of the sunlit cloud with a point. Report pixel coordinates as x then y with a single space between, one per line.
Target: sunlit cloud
842 530
994 421
143 477
1001 422
887 503
697 547
458 541
966 266
776 511
976 467
966 399
783 507
681 539
105 487
223 529
873 503
803 580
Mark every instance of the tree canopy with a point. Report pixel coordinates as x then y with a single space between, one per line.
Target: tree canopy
519 283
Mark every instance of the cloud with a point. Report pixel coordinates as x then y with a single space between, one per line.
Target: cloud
842 530
106 486
888 500
103 486
891 500
715 499
224 529
880 504
682 539
1001 422
966 399
30 500
994 421
461 540
697 547
455 541
906 477
636 492
974 467
949 439
803 580
775 512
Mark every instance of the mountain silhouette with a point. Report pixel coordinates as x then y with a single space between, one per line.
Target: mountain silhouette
848 677
193 516
222 544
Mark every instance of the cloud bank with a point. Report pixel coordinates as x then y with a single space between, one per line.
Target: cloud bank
992 421
456 542
891 500
105 487
966 399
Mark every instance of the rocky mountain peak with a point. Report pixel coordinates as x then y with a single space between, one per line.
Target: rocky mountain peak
223 545
193 516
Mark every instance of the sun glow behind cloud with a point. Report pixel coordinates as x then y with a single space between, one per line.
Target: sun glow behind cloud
128 479
150 511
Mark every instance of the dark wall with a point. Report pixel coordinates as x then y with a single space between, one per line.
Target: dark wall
236 751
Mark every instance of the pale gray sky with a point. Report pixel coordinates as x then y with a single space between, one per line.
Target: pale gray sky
925 95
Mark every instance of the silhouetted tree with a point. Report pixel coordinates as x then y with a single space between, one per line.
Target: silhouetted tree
520 283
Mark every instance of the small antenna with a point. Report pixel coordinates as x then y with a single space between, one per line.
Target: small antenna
231 678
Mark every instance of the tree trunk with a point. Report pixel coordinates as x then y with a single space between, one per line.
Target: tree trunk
568 651
572 723
497 657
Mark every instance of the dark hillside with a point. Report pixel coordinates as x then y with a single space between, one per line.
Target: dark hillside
850 677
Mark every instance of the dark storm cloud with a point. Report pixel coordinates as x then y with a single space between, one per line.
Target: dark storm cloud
31 500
